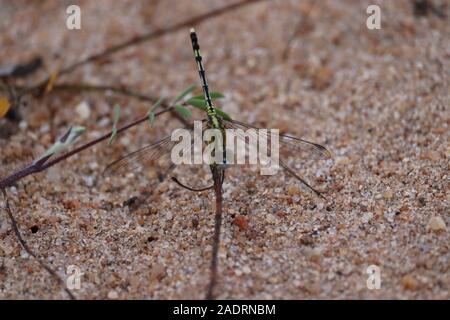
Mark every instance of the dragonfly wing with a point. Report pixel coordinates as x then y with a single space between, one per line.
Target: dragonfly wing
146 156
295 146
289 144
141 157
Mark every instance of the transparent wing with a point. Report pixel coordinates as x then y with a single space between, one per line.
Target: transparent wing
155 153
288 144
142 157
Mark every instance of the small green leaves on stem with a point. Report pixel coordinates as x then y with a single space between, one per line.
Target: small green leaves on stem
63 143
116 120
151 112
184 93
198 103
201 104
214 95
183 111
43 163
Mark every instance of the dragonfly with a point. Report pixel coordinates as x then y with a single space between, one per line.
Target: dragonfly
160 151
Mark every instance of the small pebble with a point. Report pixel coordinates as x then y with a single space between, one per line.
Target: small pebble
410 283
89 181
306 240
389 216
246 269
241 222
388 195
293 190
83 109
7 249
113 295
315 254
343 160
24 254
436 223
169 215
270 218
366 217
23 125
313 288
158 272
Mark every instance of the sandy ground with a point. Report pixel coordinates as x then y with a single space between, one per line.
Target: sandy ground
378 99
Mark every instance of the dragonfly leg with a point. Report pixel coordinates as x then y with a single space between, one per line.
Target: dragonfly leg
190 188
292 173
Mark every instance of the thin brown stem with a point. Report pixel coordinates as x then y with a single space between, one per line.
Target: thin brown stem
104 88
157 34
118 90
44 164
297 29
83 86
145 37
30 252
218 180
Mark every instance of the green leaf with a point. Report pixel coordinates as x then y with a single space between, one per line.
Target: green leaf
223 114
113 136
116 114
198 103
116 120
183 111
151 118
151 112
185 93
62 144
214 95
201 104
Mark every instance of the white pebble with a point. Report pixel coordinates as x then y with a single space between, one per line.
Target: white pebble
24 254
366 217
113 295
436 223
246 269
83 109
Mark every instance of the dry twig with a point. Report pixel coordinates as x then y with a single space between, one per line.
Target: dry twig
30 252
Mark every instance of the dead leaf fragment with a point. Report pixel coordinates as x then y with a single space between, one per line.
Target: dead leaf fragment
4 106
51 82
